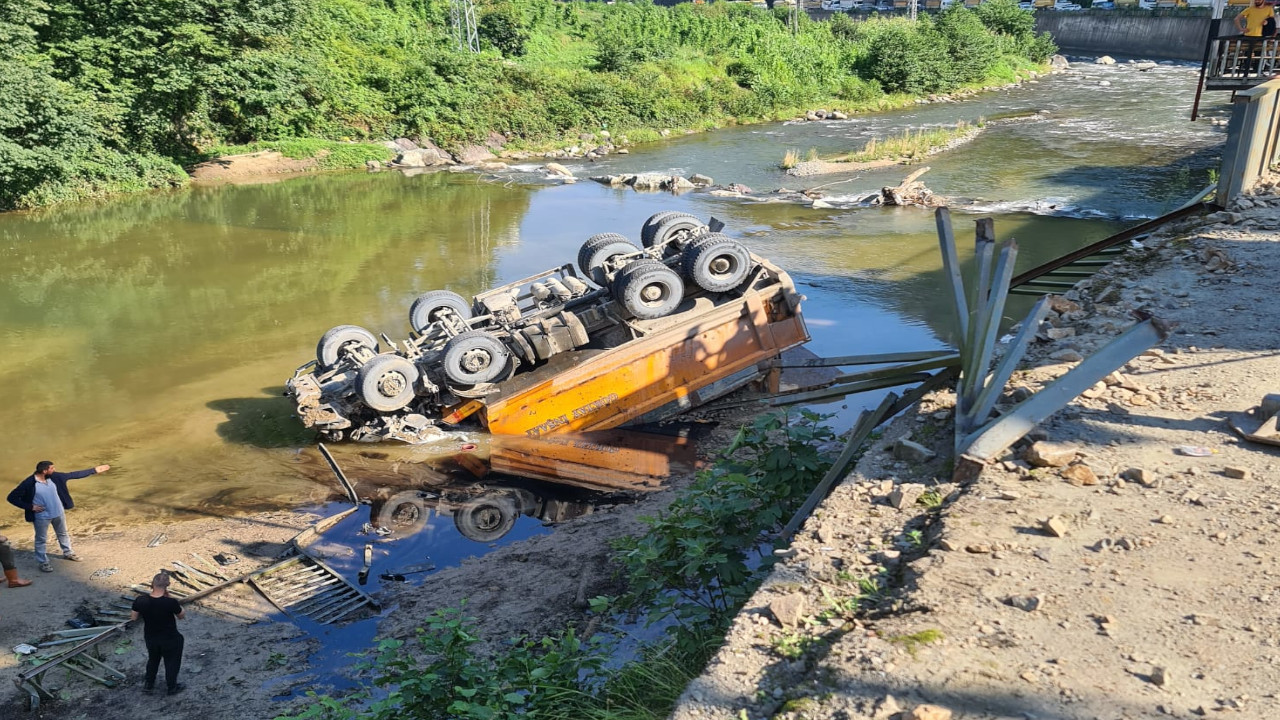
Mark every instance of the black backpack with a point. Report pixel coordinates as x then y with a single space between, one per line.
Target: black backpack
1269 27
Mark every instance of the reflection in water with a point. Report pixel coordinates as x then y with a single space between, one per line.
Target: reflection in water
429 506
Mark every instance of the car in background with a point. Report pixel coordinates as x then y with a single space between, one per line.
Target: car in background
841 5
1103 5
1147 4
1026 5
1066 5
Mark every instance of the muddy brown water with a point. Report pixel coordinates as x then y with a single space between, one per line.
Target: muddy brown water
155 332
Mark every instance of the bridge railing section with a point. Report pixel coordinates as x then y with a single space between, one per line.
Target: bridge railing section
1244 59
1252 135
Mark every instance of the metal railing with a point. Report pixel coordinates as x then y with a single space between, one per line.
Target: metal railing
1251 140
1241 59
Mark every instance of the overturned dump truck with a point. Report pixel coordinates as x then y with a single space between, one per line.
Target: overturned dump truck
632 335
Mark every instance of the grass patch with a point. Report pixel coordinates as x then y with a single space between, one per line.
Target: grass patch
913 642
910 147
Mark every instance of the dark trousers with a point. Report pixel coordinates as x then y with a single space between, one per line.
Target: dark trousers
169 649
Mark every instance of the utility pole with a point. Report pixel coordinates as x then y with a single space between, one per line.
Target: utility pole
462 14
795 17
914 3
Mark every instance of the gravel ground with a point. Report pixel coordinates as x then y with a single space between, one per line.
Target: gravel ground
1124 580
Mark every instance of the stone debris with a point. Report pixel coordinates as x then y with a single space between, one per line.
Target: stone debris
1048 454
788 610
1054 526
1079 474
912 452
1025 603
1159 676
930 712
1237 473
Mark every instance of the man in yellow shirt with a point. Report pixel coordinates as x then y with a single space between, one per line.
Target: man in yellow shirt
1250 19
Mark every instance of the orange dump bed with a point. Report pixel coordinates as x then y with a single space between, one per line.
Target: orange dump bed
709 347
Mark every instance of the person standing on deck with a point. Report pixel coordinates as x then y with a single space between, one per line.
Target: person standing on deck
1251 19
44 498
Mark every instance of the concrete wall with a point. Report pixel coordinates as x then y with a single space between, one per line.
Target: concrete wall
1144 34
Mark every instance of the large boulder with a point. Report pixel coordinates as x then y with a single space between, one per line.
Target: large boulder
422 157
473 154
1105 60
1057 62
649 181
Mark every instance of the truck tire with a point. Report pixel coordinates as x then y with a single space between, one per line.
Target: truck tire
332 342
648 289
679 229
475 357
651 225
601 248
716 263
386 382
428 307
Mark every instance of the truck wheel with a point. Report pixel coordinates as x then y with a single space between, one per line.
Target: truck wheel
386 382
651 225
717 263
475 357
649 289
679 229
332 342
599 249
435 305
488 517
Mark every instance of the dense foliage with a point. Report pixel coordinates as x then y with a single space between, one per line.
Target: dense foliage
96 96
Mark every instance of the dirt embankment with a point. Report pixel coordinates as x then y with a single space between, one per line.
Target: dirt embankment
258 166
1156 600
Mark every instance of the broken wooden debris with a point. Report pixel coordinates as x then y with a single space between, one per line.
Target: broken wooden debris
76 658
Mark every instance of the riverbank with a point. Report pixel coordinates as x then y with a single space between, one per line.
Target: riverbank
1154 601
272 161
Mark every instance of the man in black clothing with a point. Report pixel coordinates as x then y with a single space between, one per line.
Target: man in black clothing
160 614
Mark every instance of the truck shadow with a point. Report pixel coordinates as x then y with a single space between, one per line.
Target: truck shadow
266 422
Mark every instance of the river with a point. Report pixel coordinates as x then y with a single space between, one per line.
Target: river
155 332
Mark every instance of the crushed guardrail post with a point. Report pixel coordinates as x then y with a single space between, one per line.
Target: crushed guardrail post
978 439
984 443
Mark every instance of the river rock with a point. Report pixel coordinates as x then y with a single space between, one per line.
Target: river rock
701 180
1058 62
647 181
1049 454
679 183
1145 66
372 165
611 180
402 144
473 154
1105 60
837 115
557 170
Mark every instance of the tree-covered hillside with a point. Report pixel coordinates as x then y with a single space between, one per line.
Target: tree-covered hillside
99 97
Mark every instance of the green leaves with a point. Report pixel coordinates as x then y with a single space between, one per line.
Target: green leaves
696 562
